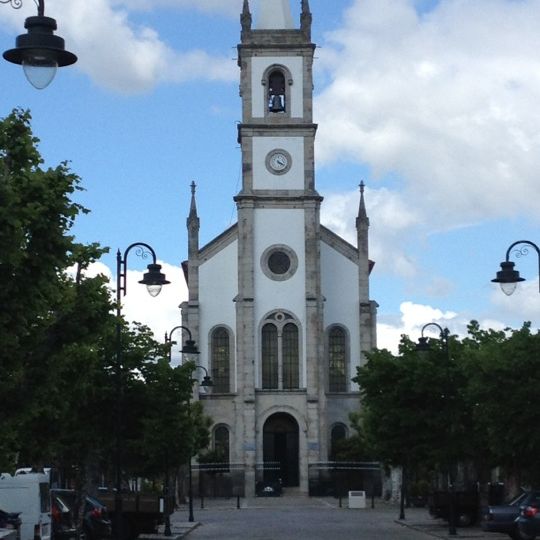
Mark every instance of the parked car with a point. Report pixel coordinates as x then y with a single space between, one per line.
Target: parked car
528 521
502 517
10 520
96 522
465 510
62 522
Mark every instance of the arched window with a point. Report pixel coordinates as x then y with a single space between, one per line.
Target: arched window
290 356
220 360
269 356
280 353
338 433
221 443
337 360
276 92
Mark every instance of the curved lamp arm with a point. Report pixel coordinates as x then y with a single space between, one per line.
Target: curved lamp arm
17 4
189 346
153 279
423 344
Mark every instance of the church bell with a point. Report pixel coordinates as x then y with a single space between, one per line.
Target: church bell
276 104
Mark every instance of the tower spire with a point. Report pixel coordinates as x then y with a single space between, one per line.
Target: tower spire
193 206
275 14
193 225
362 218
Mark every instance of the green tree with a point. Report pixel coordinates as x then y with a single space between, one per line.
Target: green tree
503 371
39 301
476 406
57 327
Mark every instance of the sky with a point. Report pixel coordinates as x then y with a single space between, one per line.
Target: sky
433 104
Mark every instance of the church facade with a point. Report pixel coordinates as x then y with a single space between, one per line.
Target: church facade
279 304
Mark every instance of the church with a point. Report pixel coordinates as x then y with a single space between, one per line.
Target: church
279 304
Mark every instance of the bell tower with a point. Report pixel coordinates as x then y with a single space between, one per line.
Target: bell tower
277 132
279 260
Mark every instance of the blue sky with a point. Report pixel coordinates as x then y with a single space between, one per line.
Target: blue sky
433 104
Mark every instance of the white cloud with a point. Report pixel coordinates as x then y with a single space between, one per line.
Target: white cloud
523 305
413 318
447 101
161 313
392 223
117 54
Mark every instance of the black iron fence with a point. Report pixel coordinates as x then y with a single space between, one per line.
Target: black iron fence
337 478
325 479
220 479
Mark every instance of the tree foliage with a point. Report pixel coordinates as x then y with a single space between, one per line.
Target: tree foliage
58 361
476 405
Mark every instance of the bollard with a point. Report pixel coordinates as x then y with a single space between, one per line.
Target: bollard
238 502
202 502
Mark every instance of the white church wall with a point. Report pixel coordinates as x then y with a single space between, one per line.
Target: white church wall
339 282
218 278
293 178
280 227
259 66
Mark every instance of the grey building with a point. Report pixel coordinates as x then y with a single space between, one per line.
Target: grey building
278 304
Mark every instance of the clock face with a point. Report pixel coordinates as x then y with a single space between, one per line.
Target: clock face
278 161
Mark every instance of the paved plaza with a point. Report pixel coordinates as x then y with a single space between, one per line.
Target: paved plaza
311 518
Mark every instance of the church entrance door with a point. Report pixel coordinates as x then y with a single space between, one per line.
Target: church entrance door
280 446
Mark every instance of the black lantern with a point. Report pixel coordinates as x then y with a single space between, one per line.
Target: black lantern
154 279
39 51
507 277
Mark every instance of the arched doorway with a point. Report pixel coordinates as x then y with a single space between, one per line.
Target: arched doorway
280 445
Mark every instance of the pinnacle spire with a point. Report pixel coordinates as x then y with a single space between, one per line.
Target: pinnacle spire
362 213
193 207
306 19
245 17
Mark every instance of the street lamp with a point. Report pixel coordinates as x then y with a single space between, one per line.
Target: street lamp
189 349
507 277
424 346
39 51
154 280
207 383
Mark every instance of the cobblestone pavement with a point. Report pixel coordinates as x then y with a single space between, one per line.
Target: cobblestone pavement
311 518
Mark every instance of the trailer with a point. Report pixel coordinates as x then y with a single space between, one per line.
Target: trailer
141 513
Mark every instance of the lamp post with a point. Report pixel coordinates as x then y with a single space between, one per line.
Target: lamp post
507 277
39 51
189 349
423 345
207 383
154 280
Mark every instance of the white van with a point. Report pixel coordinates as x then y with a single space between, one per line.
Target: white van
29 495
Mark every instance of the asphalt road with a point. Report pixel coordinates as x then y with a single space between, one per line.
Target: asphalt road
297 518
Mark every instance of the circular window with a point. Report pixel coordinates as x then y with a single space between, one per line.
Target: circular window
279 262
